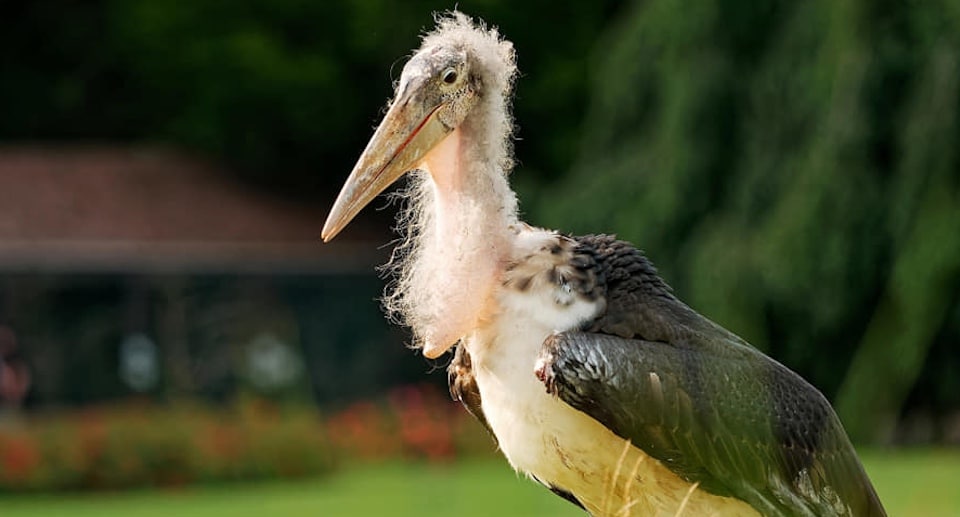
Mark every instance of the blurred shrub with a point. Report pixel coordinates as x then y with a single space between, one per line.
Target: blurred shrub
134 445
412 423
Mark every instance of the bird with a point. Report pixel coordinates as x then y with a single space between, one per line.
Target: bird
594 379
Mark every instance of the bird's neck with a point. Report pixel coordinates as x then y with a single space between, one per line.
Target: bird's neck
462 214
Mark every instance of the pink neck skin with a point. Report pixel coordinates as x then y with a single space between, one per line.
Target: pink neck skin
463 252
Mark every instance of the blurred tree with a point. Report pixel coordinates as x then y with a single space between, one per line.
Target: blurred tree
792 168
286 91
790 165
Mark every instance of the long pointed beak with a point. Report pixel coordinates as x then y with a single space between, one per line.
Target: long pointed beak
406 134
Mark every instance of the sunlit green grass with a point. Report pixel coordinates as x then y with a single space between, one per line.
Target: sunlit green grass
915 483
479 488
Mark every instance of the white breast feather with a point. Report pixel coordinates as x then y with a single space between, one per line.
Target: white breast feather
545 438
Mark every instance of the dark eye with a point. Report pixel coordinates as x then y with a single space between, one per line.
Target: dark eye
449 76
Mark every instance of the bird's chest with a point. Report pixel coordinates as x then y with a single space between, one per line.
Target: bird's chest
539 434
547 439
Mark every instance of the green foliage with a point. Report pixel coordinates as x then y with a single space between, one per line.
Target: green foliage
286 91
791 166
792 169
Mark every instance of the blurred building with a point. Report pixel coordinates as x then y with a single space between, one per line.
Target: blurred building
146 270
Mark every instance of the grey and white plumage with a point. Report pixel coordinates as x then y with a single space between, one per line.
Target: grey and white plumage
593 377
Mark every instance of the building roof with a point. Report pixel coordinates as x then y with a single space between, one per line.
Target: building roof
110 209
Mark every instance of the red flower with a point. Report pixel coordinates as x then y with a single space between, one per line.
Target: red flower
19 459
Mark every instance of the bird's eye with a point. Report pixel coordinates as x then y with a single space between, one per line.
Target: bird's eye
449 76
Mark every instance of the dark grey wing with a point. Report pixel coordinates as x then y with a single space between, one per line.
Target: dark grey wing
639 303
728 417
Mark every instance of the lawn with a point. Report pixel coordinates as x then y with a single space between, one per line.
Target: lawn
910 483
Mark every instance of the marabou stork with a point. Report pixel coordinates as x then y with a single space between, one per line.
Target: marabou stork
594 379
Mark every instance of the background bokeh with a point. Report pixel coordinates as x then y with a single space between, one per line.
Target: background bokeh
165 168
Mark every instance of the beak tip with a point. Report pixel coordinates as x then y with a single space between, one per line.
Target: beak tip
328 232
408 131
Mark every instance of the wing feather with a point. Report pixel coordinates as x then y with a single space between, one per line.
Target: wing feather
774 442
463 386
700 399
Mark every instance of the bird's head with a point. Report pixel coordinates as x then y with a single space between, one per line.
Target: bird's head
459 66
